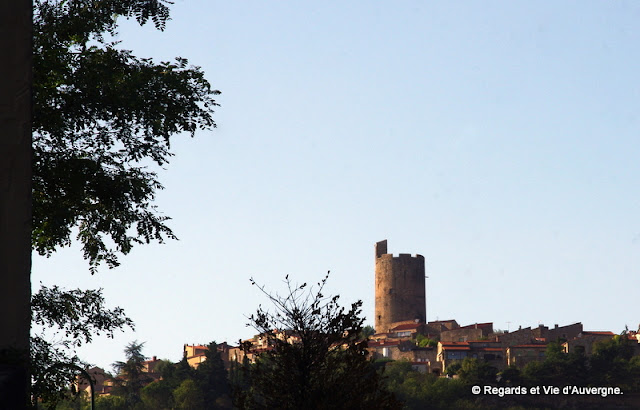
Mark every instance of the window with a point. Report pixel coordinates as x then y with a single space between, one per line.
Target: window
456 355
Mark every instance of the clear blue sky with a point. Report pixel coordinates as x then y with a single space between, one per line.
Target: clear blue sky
498 139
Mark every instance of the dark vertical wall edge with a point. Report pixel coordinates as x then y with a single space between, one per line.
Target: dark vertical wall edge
15 200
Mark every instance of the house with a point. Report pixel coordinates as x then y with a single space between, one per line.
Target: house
540 334
98 376
476 331
103 383
584 342
439 326
521 355
195 354
408 329
150 366
488 351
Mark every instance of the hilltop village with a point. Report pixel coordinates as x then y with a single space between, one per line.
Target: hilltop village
402 333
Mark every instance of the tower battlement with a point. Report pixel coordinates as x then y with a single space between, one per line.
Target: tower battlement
401 256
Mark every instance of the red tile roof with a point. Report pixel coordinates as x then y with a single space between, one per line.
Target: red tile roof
198 347
529 346
598 333
383 343
454 343
489 349
456 348
380 334
407 326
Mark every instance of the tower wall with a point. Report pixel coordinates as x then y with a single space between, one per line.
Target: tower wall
399 287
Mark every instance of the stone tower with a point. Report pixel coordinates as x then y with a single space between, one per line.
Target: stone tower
400 288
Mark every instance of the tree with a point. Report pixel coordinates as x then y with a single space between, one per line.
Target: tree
558 368
157 395
424 341
367 331
160 394
611 363
189 396
212 377
315 360
131 377
111 403
77 316
511 376
100 116
424 390
477 372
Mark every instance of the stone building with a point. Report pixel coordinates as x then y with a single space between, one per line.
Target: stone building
540 334
485 350
399 288
521 355
585 341
477 331
196 354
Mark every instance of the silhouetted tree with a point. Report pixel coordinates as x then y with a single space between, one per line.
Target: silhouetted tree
100 116
130 376
77 316
315 358
612 364
212 377
160 393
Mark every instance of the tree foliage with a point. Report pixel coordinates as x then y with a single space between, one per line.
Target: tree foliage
423 390
189 396
131 377
424 341
212 377
474 371
367 331
613 363
315 358
79 314
160 393
100 116
75 316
